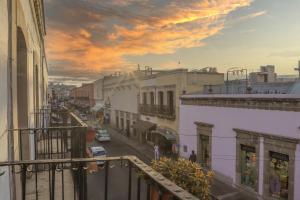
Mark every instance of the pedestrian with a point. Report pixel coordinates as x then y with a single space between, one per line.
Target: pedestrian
193 157
156 152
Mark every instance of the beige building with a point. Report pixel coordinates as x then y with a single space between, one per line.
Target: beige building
159 102
23 79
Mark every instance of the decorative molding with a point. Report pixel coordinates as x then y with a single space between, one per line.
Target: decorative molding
282 104
267 135
203 124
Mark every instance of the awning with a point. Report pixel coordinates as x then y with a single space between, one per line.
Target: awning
166 134
142 126
97 107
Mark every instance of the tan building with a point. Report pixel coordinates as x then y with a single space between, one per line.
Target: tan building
23 79
83 96
265 75
159 102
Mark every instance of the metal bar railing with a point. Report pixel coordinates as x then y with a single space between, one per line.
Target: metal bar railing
150 178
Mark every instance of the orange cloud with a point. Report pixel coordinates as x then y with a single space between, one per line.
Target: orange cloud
125 28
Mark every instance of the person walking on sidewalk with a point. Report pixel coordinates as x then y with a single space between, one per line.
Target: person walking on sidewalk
156 152
193 157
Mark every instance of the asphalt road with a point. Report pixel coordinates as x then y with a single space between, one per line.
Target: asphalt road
118 178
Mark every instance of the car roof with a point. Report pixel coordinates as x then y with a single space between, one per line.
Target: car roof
98 148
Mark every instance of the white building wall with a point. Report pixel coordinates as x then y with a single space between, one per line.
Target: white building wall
4 179
279 123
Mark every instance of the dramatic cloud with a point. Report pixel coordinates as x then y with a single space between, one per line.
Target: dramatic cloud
86 37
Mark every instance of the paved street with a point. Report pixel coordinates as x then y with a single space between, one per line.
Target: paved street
118 176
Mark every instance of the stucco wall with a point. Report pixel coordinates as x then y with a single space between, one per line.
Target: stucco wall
280 123
4 180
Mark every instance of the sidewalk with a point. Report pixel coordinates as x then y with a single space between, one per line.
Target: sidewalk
220 190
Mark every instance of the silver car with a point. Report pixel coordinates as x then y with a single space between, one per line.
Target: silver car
102 135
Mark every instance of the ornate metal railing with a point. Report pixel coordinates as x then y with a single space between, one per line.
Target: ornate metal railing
162 111
56 170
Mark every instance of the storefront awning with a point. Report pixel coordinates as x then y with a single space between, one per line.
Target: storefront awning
142 126
166 134
97 107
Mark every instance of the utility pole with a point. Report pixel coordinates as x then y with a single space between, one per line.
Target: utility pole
298 69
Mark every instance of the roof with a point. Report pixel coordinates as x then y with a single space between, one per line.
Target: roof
241 96
143 125
98 148
166 134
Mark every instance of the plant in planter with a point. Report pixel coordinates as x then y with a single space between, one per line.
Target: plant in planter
185 174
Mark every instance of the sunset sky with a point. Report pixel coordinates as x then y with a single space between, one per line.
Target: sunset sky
88 37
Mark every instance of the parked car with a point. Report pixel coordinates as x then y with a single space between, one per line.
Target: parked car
102 135
98 152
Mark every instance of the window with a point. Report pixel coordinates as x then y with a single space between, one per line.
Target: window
152 98
204 150
204 143
160 99
248 166
185 148
279 175
144 98
170 98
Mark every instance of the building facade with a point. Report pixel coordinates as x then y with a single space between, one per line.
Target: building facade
118 95
159 103
265 75
23 79
251 141
83 96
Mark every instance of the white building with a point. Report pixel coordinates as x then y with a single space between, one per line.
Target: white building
250 141
118 95
23 80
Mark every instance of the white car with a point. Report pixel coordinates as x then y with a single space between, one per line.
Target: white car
98 152
102 135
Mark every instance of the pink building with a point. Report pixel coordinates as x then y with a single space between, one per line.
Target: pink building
250 141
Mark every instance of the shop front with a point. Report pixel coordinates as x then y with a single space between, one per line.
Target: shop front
166 140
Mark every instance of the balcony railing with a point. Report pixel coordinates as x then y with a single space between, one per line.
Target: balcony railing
59 134
58 168
162 111
56 185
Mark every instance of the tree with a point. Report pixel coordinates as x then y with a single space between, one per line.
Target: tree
189 176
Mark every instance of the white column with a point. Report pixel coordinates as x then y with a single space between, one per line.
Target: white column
261 166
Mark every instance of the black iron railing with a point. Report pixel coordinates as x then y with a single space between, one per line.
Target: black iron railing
163 111
78 187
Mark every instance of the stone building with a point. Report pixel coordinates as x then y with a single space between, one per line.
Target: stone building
250 141
159 103
23 79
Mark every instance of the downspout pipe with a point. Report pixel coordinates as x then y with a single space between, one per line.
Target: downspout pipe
10 123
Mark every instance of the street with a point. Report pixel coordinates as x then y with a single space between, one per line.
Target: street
118 174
